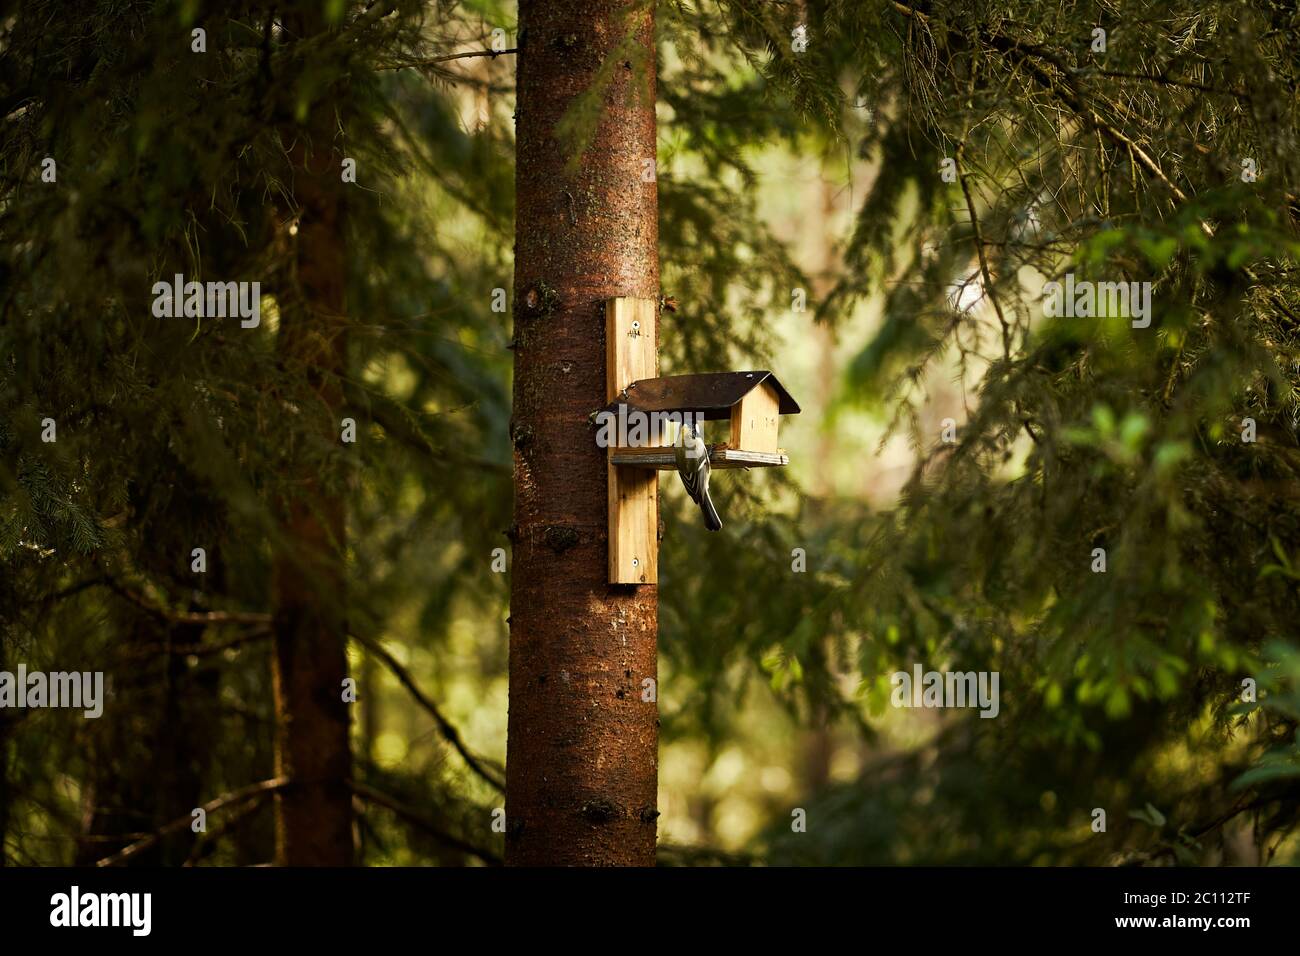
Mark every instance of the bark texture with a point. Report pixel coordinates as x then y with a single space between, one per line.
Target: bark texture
314 815
582 754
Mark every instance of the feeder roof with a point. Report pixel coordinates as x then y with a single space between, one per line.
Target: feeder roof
711 394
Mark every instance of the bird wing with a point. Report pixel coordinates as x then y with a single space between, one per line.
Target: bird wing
689 469
691 479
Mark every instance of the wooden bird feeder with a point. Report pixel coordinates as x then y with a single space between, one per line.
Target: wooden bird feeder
752 401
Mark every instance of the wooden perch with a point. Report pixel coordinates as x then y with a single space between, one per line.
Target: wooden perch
720 456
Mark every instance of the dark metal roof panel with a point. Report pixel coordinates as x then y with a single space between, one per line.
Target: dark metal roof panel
711 393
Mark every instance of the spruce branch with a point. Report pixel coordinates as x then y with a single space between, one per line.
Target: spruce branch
411 816
445 726
233 798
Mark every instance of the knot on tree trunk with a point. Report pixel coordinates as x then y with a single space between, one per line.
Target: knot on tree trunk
521 434
601 810
540 299
559 538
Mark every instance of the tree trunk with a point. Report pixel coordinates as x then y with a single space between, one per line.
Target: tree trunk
314 815
582 753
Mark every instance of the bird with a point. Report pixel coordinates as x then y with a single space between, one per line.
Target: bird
693 466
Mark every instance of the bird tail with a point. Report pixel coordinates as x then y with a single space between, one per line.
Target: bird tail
711 519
